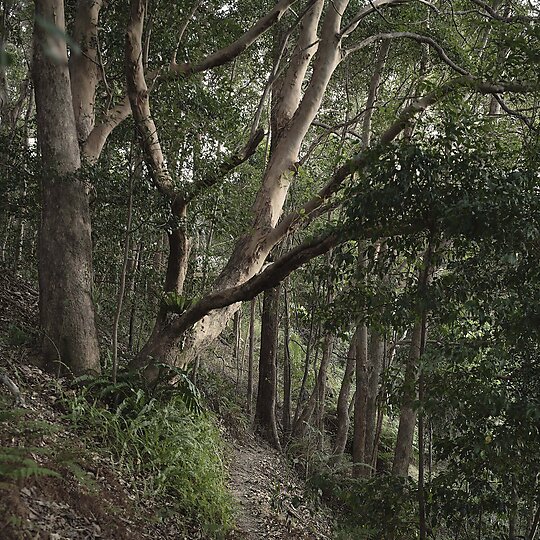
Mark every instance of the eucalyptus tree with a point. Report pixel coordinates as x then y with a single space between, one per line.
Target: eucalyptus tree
321 41
324 40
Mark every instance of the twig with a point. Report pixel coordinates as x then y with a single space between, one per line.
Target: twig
12 387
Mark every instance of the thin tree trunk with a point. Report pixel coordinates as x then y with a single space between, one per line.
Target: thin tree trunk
421 463
133 289
70 340
360 402
535 525
251 352
237 340
265 410
321 390
306 369
407 417
287 405
6 238
376 351
300 426
512 517
343 417
122 286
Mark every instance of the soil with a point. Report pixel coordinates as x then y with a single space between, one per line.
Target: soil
87 497
271 499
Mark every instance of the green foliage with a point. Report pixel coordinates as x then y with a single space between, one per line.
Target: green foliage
164 447
177 303
382 507
16 465
17 336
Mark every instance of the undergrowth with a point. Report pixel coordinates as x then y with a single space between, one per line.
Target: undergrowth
163 445
382 507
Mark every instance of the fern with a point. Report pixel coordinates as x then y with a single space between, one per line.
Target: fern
16 465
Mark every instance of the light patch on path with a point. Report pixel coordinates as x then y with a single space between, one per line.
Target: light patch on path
269 498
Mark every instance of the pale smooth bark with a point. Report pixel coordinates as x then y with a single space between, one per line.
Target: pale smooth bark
84 66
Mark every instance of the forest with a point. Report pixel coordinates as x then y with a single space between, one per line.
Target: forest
270 269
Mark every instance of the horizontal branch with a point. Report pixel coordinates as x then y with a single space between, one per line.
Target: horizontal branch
410 35
507 19
268 278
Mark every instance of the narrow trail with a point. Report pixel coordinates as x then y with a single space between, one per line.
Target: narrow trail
270 498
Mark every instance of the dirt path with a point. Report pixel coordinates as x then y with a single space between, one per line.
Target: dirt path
270 498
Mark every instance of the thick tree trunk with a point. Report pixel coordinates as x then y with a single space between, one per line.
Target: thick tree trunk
65 251
177 264
265 409
252 249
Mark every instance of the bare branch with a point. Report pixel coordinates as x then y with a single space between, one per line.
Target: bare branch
183 29
227 165
507 19
511 112
140 103
416 37
365 11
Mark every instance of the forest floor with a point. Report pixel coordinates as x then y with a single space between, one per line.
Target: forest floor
86 496
271 499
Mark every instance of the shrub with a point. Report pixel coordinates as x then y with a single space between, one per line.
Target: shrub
164 448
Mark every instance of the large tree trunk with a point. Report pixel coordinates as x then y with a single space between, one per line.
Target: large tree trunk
177 264
252 249
65 248
265 409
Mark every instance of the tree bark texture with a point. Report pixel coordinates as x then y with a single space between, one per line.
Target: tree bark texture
251 353
65 247
359 439
407 417
287 379
343 418
265 410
